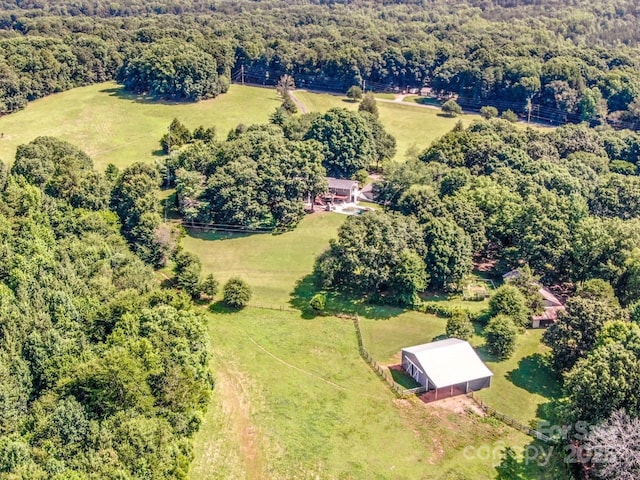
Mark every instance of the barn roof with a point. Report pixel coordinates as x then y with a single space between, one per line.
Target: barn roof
449 362
341 184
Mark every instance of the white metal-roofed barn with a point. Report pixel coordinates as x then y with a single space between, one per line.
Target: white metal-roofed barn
450 364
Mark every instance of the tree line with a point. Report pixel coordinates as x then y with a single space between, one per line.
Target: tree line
563 67
104 374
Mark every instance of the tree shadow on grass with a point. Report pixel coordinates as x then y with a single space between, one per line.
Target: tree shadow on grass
428 101
213 235
539 460
221 308
122 94
535 375
485 355
338 302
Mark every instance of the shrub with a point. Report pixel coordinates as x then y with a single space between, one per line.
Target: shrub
354 93
209 286
501 334
318 302
237 293
459 326
510 116
489 112
451 108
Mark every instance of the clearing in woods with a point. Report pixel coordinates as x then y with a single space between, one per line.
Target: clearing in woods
113 126
293 398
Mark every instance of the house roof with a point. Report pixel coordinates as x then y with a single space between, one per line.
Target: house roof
550 299
449 362
511 275
550 313
341 184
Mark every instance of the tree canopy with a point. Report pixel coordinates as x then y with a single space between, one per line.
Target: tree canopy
102 373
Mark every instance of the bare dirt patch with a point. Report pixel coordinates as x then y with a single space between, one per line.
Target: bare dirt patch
459 404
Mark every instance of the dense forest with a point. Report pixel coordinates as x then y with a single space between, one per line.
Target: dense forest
104 374
547 60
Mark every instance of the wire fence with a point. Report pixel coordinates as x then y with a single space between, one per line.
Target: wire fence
381 371
222 227
506 419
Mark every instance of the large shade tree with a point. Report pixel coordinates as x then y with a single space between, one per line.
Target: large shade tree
347 142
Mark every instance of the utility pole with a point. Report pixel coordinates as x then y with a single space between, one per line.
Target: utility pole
529 109
242 74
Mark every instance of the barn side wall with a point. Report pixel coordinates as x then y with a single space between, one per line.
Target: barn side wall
422 379
479 384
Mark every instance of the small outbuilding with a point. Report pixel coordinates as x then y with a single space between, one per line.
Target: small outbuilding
448 366
551 305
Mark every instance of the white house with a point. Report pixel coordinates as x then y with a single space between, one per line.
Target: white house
340 190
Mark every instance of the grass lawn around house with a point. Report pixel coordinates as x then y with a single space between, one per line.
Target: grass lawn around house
113 126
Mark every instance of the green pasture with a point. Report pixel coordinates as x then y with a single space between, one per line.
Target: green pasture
113 126
296 399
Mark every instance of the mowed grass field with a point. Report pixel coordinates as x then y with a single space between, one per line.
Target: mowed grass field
113 126
293 398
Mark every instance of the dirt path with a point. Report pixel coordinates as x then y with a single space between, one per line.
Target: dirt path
399 99
299 104
236 405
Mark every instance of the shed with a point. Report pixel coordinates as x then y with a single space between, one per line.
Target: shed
552 305
446 364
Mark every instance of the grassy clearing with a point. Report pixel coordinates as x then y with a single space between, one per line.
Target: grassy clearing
115 127
272 264
296 399
318 411
523 386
